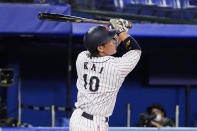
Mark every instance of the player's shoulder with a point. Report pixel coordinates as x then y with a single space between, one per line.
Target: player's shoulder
133 52
83 54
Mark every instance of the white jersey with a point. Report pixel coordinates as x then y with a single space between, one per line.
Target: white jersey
99 80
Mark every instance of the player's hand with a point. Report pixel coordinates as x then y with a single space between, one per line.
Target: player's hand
119 25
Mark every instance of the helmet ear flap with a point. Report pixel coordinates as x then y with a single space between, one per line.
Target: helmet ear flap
116 40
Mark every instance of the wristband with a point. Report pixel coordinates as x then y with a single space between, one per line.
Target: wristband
131 44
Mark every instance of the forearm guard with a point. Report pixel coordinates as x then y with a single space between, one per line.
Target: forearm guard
131 44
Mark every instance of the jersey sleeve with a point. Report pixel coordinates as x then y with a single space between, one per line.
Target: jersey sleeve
127 62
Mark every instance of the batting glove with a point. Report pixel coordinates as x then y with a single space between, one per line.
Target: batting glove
119 25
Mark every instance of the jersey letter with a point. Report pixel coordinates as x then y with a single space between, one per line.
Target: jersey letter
101 70
85 65
93 67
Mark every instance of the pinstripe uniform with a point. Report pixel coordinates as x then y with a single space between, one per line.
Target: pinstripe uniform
99 80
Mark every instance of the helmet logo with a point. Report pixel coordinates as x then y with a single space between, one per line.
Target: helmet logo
106 28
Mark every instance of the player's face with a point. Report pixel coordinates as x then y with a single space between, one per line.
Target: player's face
109 48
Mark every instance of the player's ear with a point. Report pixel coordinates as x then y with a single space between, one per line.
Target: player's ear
100 48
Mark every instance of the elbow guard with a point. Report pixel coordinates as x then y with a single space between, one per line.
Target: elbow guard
131 44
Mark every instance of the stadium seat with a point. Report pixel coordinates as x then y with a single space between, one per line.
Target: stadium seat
119 5
188 15
107 5
186 4
140 7
123 3
189 4
130 1
175 15
145 11
17 1
169 3
173 3
46 1
144 2
160 13
193 2
131 9
157 2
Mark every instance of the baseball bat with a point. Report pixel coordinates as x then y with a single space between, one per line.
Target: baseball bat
69 18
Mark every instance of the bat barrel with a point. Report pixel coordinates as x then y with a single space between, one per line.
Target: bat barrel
44 16
56 17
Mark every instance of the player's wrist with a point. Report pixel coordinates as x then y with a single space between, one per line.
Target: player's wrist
121 30
123 35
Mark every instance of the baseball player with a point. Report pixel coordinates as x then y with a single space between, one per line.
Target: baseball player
101 75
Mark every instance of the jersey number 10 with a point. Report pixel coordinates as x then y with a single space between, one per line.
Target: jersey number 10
91 80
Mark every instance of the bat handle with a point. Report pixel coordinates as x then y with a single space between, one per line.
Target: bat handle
129 25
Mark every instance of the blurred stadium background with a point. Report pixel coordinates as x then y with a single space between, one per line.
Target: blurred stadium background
38 58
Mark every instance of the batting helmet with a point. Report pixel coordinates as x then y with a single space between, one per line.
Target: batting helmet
97 35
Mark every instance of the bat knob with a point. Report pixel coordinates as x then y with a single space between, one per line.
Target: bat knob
40 15
129 25
43 16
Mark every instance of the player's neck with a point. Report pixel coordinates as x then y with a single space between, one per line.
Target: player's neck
101 54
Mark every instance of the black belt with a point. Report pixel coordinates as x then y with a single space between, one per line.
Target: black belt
90 117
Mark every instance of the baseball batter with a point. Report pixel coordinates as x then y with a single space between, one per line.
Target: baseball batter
101 75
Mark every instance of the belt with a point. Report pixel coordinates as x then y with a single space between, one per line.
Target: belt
90 117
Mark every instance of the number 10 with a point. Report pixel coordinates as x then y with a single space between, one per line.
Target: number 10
92 78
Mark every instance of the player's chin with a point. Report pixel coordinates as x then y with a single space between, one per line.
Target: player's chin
114 52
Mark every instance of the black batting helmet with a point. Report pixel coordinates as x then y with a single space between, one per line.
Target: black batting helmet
97 35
